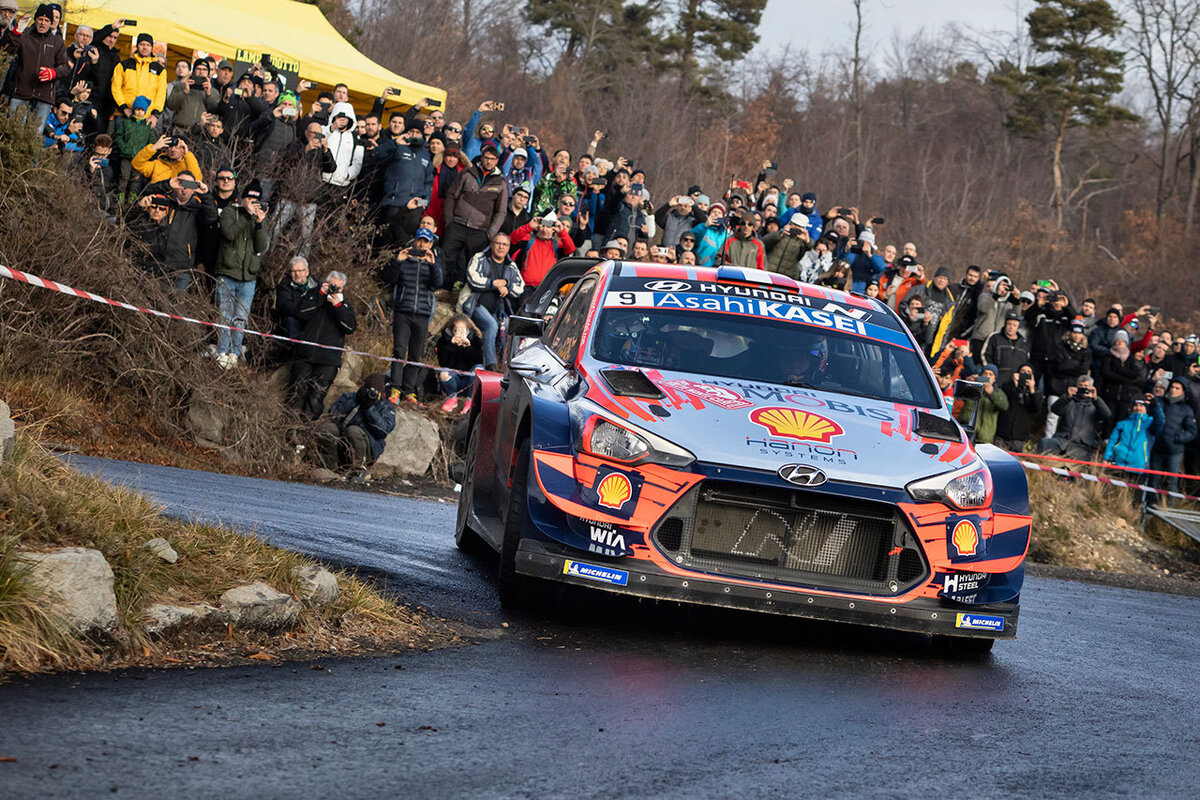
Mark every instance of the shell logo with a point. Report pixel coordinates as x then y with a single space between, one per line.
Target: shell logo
965 538
614 491
796 424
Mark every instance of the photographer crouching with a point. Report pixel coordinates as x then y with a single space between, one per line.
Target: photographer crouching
355 430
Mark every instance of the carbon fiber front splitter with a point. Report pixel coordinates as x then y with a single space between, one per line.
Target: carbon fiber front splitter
641 579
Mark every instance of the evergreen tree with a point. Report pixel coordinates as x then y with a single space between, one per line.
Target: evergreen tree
1075 81
712 34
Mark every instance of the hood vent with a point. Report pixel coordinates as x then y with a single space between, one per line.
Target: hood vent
631 383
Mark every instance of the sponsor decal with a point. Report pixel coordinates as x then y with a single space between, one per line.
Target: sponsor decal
964 538
668 286
606 537
614 491
592 572
964 586
795 424
802 475
707 393
781 310
979 622
824 453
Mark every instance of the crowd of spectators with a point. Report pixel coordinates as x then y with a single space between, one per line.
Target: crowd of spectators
211 169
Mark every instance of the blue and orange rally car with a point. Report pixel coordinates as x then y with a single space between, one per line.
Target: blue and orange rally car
734 438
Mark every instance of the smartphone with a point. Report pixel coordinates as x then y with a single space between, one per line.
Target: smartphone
239 92
1045 284
265 60
499 106
103 162
878 220
773 169
131 23
438 104
637 187
529 140
422 202
1154 311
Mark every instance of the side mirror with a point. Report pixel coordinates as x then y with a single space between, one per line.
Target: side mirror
526 326
969 390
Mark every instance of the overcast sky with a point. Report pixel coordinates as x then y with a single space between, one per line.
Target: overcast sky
820 25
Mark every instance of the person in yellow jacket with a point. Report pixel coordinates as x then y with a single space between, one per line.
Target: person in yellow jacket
165 159
140 74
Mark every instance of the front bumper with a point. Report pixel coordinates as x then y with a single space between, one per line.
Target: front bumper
549 561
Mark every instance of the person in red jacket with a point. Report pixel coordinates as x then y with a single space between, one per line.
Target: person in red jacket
542 242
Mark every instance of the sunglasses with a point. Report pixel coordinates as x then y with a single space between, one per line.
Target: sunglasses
227 177
916 308
567 204
454 130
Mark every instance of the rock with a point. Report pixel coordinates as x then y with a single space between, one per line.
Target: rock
280 378
79 587
322 475
316 584
410 447
162 619
350 376
207 420
162 548
257 606
8 434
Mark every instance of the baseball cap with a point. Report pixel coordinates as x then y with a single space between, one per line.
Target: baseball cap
425 233
520 151
1028 295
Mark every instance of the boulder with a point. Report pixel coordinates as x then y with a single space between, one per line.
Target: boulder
256 606
316 584
8 434
162 548
280 378
207 420
78 584
410 447
161 619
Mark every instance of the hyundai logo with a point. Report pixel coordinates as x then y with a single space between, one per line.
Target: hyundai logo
802 475
668 286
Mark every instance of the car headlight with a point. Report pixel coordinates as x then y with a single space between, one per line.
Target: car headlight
605 438
970 487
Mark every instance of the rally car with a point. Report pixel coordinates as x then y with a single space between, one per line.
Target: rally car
732 437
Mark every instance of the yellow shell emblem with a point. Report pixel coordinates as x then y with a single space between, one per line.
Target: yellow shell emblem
965 538
796 424
614 490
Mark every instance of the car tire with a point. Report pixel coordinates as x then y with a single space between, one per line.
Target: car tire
466 538
963 645
515 590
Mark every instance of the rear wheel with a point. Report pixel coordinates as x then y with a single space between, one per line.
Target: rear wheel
465 537
514 589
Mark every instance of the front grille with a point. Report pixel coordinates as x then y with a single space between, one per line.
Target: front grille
790 536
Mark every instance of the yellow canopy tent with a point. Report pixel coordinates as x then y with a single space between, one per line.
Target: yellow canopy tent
291 32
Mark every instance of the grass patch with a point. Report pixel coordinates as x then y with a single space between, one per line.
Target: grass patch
46 505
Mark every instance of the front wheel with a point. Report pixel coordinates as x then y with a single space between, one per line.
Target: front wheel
465 537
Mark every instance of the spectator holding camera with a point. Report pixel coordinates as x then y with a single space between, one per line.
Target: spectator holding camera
413 274
523 167
1007 348
1068 359
341 140
993 402
675 219
559 182
474 209
1121 376
1178 430
275 129
140 75
542 243
866 266
355 430
97 167
326 319
190 207
294 291
992 310
1025 403
244 240
193 96
165 159
407 181
711 236
1081 412
918 320
300 186
786 247
40 57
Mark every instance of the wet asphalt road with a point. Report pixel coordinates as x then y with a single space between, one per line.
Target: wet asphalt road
1098 696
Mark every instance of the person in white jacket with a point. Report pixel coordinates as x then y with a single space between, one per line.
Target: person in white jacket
344 147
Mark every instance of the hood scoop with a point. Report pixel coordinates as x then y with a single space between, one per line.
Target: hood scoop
631 383
935 427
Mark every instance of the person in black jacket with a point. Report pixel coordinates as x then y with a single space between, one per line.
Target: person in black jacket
1066 360
300 187
294 292
1007 348
1178 430
460 348
326 318
356 429
413 275
176 235
1025 402
1082 413
407 181
1121 377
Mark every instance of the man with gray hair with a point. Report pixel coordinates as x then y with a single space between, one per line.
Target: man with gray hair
293 291
1081 412
326 318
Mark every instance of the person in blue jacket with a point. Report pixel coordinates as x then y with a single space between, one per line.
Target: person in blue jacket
1133 437
407 181
808 210
711 236
356 428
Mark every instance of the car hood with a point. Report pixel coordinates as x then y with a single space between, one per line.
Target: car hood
726 421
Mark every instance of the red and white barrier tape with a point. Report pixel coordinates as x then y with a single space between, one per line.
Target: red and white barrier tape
1070 473
46 283
1101 465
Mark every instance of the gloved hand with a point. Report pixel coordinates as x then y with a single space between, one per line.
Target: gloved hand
367 396
47 74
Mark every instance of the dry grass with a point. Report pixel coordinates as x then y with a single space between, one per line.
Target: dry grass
46 505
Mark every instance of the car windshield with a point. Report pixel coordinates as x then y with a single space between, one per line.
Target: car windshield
764 350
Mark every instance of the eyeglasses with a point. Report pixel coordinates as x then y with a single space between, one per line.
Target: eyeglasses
227 177
916 308
454 129
567 203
